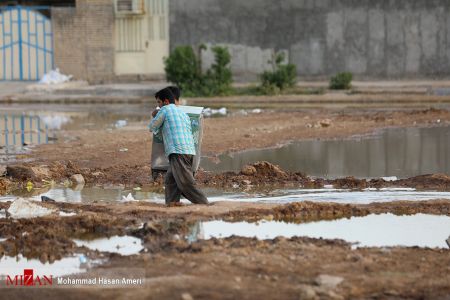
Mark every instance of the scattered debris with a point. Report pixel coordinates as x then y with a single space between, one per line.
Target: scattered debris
208 112
47 199
29 186
129 197
121 123
67 214
55 122
54 77
22 208
390 178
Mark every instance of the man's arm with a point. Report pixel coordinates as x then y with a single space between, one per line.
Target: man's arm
157 121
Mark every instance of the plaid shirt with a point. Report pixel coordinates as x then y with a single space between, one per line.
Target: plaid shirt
176 130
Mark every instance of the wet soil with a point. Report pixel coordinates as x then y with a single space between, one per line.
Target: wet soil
97 155
231 268
258 177
101 149
236 267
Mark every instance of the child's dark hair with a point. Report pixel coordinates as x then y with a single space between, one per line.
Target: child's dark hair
165 94
176 91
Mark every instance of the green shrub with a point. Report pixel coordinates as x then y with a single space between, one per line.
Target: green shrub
342 81
281 77
184 69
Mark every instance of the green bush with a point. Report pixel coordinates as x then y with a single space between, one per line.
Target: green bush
342 81
184 69
281 77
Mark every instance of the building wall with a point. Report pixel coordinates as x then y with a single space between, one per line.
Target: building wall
371 38
84 40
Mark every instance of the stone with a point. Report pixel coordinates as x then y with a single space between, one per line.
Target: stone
307 292
22 208
328 281
2 170
248 170
77 179
325 123
186 296
246 182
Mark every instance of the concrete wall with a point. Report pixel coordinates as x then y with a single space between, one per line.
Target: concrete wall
84 40
371 38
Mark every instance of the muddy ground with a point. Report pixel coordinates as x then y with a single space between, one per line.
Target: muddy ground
231 268
234 267
97 153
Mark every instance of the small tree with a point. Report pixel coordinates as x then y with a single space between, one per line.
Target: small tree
281 77
182 68
218 78
342 81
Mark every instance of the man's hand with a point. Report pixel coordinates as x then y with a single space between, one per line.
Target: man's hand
155 112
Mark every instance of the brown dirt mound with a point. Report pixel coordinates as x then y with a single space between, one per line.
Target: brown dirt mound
266 169
430 181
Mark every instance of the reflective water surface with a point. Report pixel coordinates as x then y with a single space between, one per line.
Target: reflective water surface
384 230
69 265
120 194
123 245
394 152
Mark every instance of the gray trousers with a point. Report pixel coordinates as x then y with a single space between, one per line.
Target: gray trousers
180 180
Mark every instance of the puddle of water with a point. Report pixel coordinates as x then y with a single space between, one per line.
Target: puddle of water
116 194
384 230
82 116
394 152
66 266
344 196
37 124
123 245
19 132
90 194
86 194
